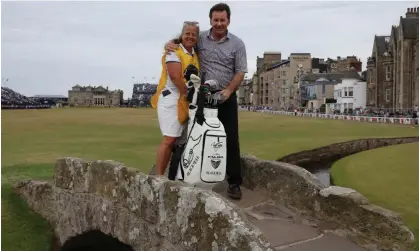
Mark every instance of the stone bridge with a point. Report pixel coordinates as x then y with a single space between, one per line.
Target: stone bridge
319 157
108 206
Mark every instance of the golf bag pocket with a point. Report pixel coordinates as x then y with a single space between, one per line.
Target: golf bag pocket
182 110
214 156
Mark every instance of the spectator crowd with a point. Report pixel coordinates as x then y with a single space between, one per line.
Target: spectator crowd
367 112
141 94
13 100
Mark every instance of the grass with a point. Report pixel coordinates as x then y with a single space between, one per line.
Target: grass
388 177
33 139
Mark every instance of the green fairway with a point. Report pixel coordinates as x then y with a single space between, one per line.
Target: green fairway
33 139
388 177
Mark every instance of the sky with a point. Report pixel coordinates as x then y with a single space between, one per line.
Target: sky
48 47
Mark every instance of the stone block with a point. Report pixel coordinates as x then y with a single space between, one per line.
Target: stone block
346 210
145 212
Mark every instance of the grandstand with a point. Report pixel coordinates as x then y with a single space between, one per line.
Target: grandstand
14 100
51 100
141 94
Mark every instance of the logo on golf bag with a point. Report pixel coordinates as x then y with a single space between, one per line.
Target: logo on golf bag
216 146
187 161
215 160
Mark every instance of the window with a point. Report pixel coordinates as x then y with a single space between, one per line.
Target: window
388 72
350 91
388 93
371 75
345 91
323 89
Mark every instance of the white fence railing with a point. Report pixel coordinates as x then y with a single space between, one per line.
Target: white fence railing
384 120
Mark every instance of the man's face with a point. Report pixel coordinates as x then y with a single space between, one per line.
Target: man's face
219 22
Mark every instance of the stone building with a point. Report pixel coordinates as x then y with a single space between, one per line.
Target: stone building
332 65
268 59
255 100
244 92
94 96
278 83
393 68
350 62
319 65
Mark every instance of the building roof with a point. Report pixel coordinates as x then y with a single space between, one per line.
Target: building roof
394 32
312 77
409 27
380 43
277 65
271 52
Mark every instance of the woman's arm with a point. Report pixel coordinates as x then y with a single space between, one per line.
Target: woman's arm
175 73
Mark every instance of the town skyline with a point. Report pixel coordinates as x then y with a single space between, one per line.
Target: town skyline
50 47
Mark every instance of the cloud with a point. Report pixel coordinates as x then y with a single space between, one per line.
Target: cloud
47 47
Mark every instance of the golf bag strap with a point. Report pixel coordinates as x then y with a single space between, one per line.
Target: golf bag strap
199 116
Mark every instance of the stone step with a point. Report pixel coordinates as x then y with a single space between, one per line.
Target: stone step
325 242
282 232
285 229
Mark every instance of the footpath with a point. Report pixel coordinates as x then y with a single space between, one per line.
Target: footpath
285 230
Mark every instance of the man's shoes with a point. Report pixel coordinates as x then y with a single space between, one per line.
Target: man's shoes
234 191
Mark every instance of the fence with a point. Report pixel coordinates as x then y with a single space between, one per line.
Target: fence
383 120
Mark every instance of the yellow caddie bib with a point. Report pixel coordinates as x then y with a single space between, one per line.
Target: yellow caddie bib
183 104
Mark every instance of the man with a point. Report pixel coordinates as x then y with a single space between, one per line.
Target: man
222 56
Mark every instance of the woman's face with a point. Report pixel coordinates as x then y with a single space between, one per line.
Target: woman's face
190 36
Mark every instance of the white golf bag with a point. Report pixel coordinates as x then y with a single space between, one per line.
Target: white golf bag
204 157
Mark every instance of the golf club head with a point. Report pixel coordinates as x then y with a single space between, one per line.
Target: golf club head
196 81
190 70
213 85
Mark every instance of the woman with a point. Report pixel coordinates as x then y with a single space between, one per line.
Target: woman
170 98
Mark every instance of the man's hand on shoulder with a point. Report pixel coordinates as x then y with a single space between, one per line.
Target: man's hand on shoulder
170 47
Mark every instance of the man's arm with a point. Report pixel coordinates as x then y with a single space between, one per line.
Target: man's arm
240 59
171 45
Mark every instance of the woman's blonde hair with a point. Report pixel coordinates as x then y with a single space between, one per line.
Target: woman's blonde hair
178 40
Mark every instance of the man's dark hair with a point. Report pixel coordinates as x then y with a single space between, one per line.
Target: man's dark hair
220 7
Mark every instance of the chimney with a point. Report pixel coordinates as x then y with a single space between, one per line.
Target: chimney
412 12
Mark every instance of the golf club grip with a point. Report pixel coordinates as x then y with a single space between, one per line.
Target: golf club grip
203 78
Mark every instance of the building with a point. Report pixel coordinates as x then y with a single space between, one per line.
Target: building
332 65
260 64
94 96
350 94
345 64
244 92
319 65
255 100
318 89
278 82
393 68
342 64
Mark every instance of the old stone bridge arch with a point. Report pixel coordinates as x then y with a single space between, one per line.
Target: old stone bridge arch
146 212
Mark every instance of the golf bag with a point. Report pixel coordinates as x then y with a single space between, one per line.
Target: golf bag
200 156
